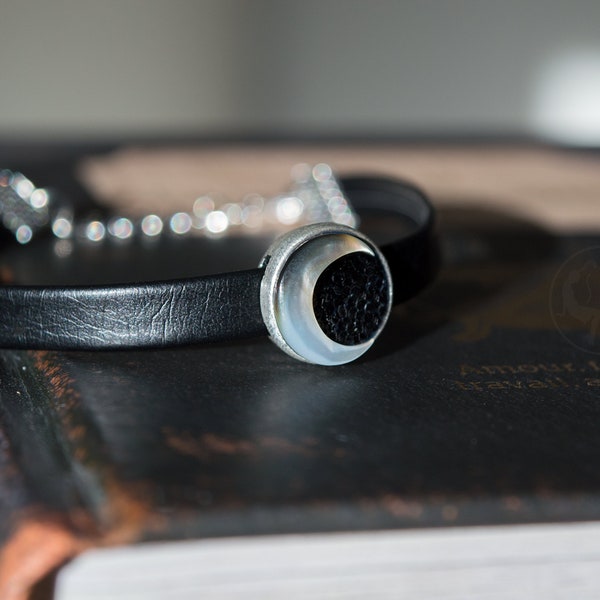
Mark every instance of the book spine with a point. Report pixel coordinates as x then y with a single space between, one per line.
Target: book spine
45 515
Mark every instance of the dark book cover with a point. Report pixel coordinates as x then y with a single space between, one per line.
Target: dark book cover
478 405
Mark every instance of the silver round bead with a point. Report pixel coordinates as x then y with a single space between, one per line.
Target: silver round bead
121 228
293 266
151 225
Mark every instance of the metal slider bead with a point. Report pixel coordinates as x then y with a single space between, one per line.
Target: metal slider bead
326 293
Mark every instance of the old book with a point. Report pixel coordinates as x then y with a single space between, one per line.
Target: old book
478 407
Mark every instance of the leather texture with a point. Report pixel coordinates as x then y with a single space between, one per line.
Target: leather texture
214 308
414 259
351 298
202 309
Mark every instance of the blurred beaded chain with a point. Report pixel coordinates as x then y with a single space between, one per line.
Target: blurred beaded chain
314 196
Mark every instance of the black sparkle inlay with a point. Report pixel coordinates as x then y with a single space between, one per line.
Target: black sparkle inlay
351 298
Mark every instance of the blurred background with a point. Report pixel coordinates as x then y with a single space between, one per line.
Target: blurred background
77 69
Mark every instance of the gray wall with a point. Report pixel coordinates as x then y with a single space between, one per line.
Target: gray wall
76 67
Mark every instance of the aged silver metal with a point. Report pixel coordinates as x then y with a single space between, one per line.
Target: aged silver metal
293 264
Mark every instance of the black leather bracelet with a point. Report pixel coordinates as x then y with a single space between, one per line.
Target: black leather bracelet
323 292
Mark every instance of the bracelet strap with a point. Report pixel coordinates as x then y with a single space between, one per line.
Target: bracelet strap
202 309
185 311
413 259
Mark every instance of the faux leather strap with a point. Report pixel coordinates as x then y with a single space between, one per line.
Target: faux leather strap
185 311
202 309
414 259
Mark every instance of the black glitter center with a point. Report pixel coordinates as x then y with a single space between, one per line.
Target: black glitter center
351 298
